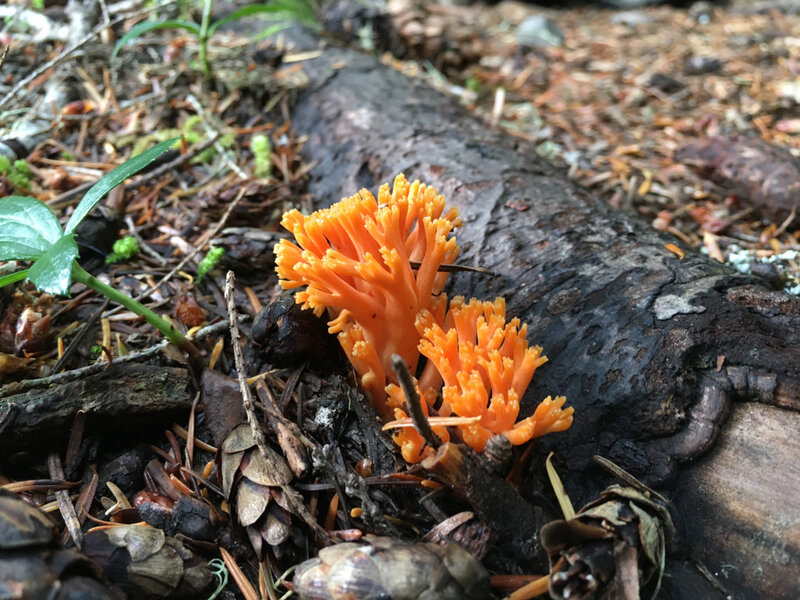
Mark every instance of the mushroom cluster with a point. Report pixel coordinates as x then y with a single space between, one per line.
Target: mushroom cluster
374 266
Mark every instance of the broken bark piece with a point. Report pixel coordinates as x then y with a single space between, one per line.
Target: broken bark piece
764 176
123 397
633 332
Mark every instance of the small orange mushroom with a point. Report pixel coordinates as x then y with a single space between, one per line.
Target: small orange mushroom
354 260
486 365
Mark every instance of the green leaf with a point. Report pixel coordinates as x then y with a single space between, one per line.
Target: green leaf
296 11
52 271
141 28
270 31
13 277
27 228
112 179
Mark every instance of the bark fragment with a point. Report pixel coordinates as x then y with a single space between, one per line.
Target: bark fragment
122 396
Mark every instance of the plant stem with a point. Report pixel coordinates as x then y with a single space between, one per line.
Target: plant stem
80 275
203 39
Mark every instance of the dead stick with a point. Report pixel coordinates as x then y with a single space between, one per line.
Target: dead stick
414 402
241 371
293 448
64 503
292 497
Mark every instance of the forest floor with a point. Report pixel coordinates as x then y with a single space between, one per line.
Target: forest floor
624 104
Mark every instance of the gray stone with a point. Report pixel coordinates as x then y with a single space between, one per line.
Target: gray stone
539 30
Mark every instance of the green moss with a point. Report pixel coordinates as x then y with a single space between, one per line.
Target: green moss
18 172
22 167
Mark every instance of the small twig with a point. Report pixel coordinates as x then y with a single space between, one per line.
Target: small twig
64 503
292 447
449 268
787 221
294 500
179 161
537 587
629 479
146 248
241 370
414 402
82 504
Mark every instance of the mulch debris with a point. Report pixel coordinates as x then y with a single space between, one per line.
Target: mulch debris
688 118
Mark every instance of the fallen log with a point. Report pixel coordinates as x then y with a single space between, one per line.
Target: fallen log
122 398
649 347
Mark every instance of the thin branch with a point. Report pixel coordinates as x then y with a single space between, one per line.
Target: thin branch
64 504
414 402
241 370
294 499
450 268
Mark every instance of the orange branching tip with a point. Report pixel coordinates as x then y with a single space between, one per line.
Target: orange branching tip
354 260
486 365
412 444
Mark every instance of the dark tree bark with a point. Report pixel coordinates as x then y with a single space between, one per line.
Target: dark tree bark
120 399
649 348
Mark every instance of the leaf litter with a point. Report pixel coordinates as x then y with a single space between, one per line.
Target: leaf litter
616 104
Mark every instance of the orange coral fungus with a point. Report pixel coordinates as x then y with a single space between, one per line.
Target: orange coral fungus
486 365
355 260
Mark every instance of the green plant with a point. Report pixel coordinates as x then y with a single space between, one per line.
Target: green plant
282 10
124 249
18 172
30 231
210 261
261 154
